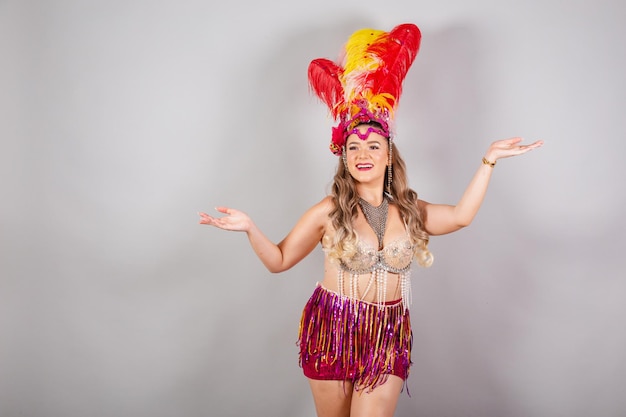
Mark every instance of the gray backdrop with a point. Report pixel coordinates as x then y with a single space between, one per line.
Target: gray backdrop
119 120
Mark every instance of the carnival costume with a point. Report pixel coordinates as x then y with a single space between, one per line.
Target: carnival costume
343 337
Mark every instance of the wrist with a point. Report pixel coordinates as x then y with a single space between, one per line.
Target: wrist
489 162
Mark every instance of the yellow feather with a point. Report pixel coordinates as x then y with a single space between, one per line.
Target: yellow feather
383 101
356 46
357 62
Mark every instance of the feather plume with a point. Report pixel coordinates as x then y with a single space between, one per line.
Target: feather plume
324 79
377 62
359 63
368 83
397 50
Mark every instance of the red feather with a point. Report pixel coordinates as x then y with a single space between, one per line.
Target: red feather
397 50
324 80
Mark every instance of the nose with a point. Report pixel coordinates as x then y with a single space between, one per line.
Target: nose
362 152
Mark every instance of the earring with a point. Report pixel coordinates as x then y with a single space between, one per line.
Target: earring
389 167
344 157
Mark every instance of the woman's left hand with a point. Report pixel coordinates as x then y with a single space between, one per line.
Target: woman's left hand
509 147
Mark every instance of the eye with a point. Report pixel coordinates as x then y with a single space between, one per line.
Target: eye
375 147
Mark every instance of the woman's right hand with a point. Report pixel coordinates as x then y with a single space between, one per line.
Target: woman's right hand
234 220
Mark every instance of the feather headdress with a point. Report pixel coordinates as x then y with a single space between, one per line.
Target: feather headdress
367 85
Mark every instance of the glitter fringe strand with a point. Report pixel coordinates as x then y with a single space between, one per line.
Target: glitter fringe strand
351 340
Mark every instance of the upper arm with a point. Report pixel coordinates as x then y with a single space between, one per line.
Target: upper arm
305 235
439 219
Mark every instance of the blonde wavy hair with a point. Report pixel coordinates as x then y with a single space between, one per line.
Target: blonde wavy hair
346 199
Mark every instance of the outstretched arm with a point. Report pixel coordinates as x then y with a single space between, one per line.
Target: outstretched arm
300 241
442 219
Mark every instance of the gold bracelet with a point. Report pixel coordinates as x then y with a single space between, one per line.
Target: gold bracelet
487 162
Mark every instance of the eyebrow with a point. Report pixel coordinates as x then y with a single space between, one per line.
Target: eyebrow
367 142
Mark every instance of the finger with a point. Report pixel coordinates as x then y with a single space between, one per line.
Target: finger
530 146
222 209
513 141
207 220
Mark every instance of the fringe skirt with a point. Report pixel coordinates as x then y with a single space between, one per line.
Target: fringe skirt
351 340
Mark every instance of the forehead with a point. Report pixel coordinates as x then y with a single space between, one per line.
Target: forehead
373 137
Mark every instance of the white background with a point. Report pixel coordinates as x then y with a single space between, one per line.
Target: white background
120 120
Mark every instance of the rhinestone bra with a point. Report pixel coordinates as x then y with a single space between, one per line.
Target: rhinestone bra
396 257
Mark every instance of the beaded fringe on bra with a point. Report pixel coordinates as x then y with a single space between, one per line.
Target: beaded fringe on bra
379 277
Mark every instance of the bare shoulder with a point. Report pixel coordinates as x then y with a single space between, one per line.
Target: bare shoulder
422 206
326 204
322 209
317 217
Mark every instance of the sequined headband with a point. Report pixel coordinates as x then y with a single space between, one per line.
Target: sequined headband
349 127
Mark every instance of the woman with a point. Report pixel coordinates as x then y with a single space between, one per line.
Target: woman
355 335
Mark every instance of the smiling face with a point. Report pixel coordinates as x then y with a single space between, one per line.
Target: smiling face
367 154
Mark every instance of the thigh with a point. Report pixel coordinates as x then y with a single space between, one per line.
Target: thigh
380 402
332 398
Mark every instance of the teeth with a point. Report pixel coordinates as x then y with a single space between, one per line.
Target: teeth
364 165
